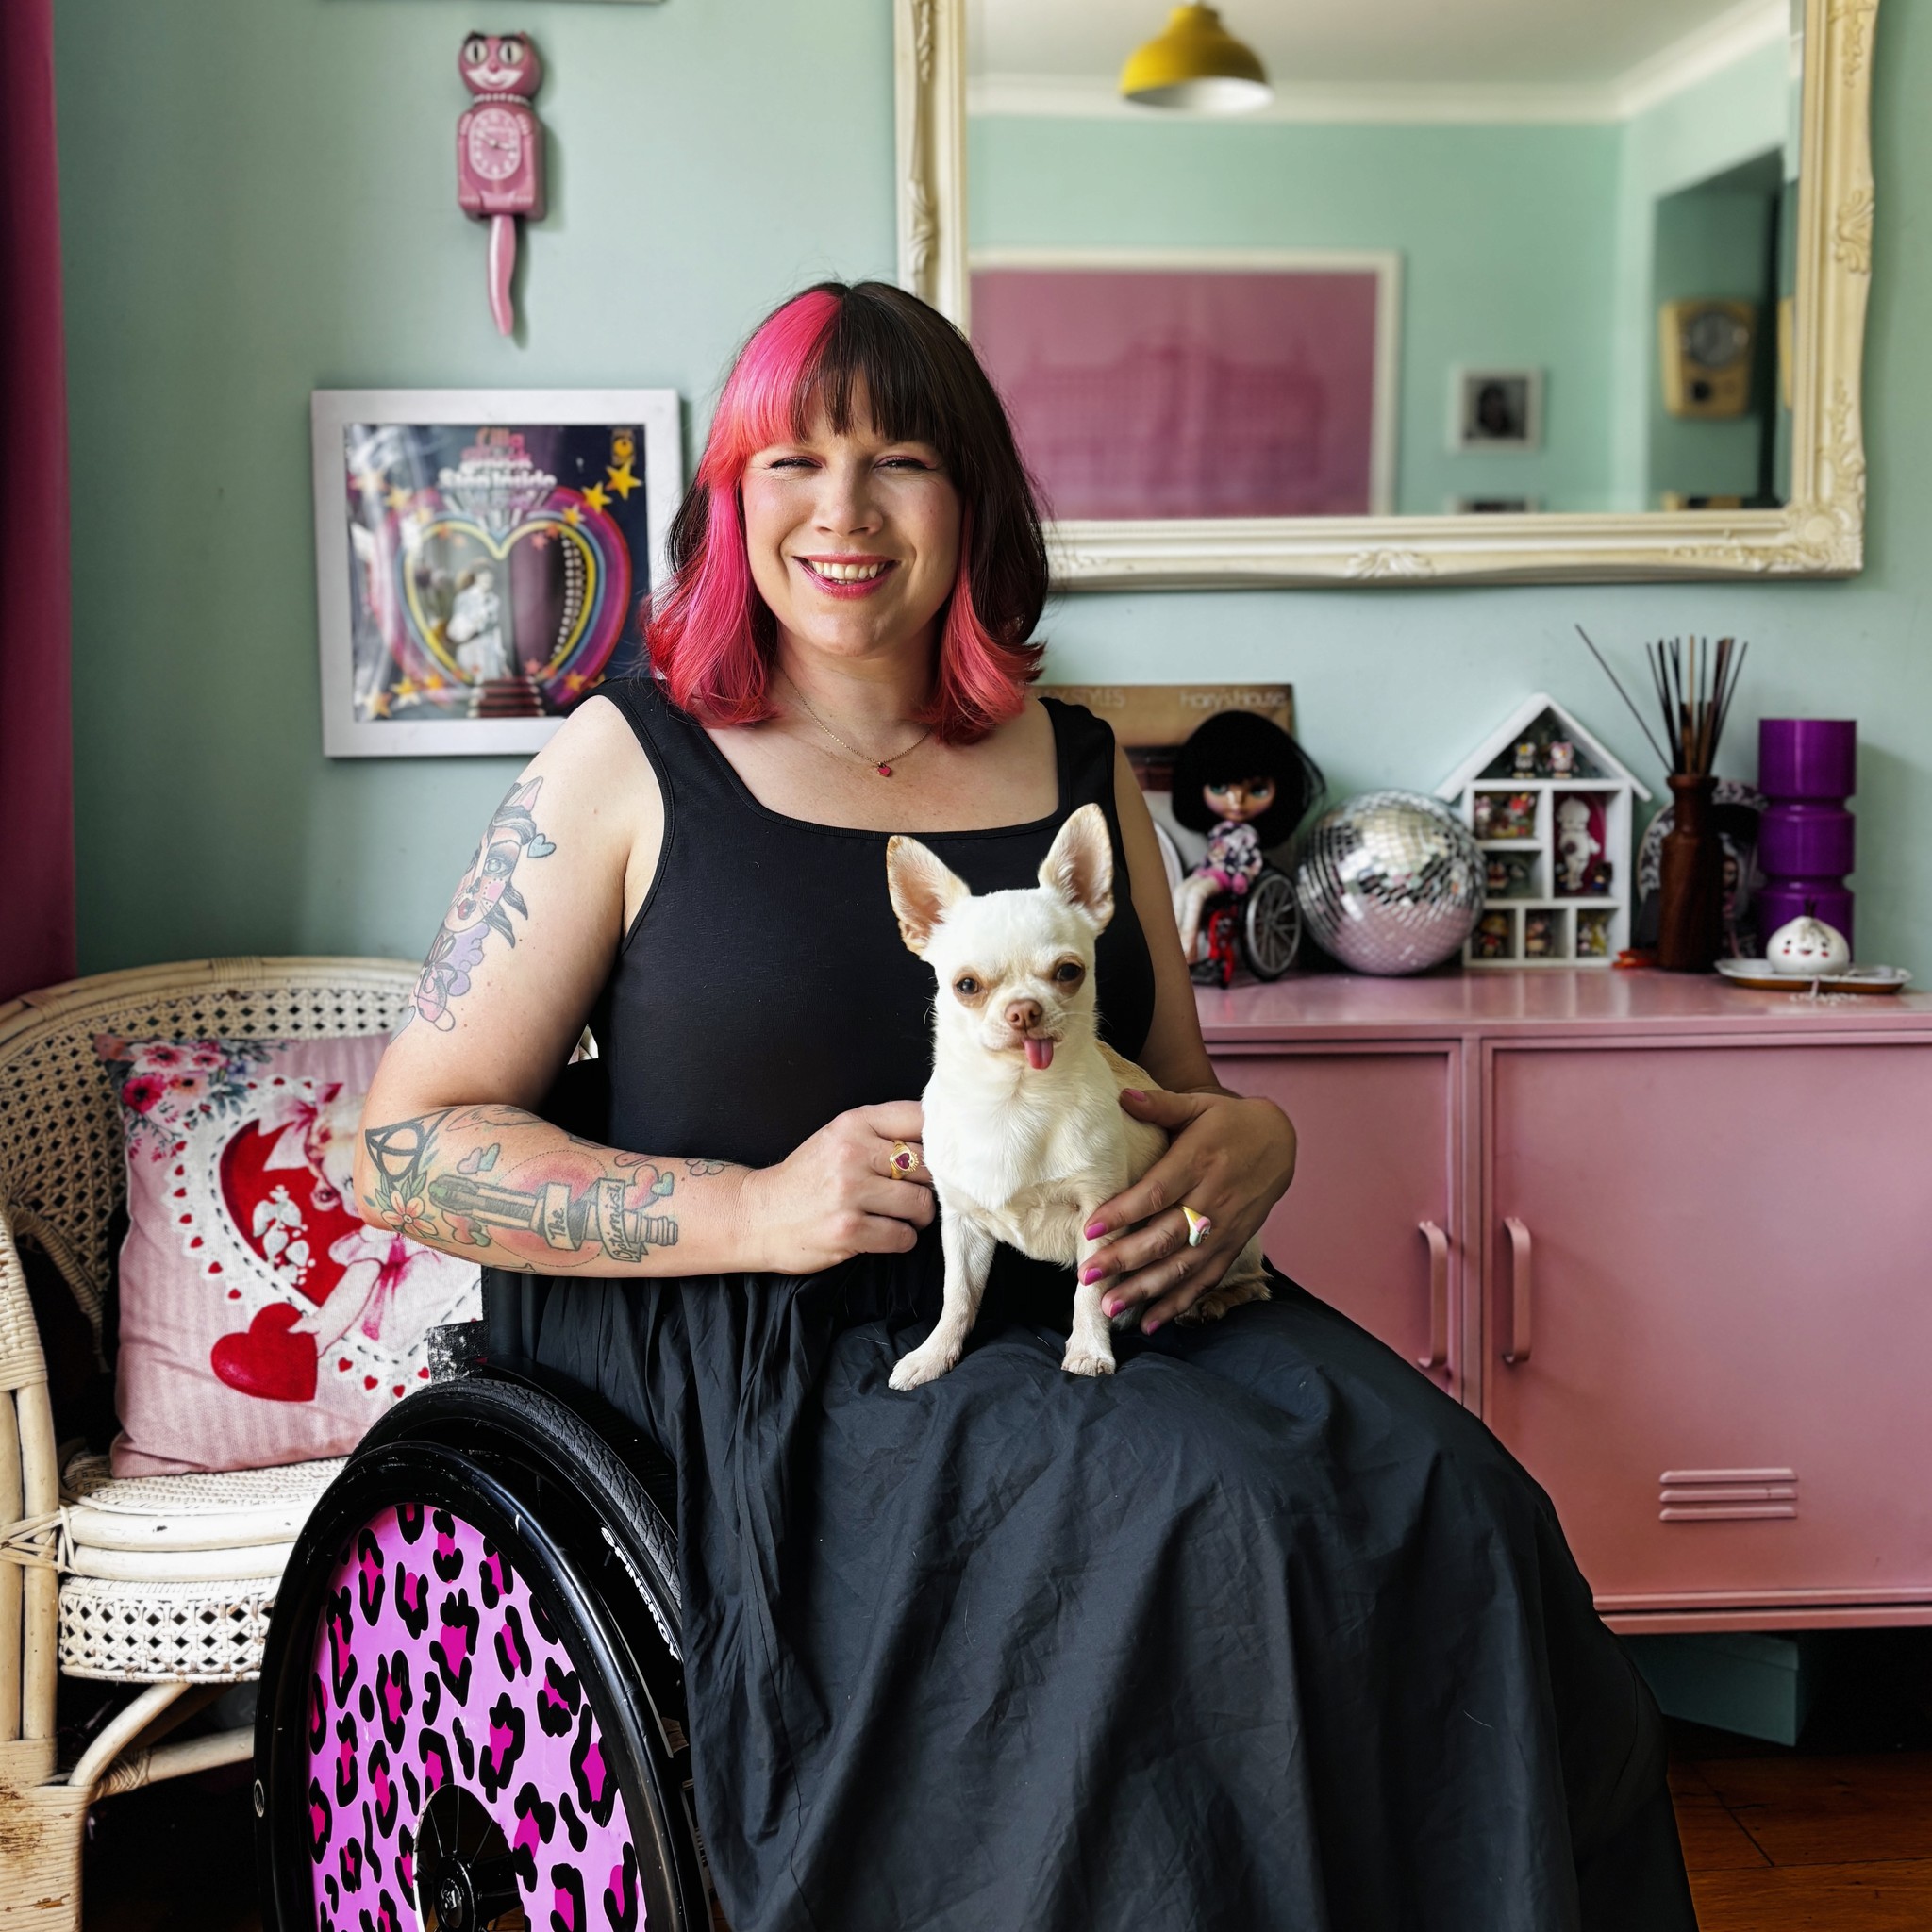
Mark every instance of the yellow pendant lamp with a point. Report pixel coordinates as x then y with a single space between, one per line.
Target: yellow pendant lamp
1196 63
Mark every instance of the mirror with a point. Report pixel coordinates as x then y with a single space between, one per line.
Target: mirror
1498 290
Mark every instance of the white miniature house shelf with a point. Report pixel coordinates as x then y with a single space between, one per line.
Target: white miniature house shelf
1551 809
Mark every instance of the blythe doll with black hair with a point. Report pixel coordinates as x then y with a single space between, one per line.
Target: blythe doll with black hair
1243 780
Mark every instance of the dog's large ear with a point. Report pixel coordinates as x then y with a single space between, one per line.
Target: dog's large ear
1080 866
922 887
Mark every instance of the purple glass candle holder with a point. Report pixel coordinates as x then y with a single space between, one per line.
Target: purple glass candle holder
1806 769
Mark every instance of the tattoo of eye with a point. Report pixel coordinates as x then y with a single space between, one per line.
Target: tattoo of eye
483 903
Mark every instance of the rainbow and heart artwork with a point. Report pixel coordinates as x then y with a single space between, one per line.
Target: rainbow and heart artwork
495 570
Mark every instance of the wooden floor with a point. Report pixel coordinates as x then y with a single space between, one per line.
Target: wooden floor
1808 1844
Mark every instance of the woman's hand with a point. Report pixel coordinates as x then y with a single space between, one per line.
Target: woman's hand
838 1194
1231 1159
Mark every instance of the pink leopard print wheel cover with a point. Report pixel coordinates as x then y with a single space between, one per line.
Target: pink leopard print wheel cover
434 1663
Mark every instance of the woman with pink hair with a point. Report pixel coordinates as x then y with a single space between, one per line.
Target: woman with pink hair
1261 1630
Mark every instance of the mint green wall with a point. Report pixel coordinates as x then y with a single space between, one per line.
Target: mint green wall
1742 111
1712 244
1502 231
258 201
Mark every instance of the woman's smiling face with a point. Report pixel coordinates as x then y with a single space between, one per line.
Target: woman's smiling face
853 538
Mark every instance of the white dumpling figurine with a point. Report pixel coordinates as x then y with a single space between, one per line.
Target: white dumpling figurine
1807 948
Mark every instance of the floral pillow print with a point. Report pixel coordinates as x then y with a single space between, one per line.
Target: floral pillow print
262 1321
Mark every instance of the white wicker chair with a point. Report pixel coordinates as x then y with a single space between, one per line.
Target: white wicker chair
166 1581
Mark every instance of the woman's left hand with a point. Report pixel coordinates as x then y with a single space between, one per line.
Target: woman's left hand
1231 1159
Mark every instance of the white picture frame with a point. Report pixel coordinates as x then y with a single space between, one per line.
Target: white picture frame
363 601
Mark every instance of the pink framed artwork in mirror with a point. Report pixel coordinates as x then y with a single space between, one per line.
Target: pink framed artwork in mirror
1225 384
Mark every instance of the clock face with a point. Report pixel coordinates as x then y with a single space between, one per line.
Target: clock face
496 143
1713 340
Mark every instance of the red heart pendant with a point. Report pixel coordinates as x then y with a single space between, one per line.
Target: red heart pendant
267 1360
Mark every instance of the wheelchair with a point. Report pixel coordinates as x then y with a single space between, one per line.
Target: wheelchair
1260 929
472 1712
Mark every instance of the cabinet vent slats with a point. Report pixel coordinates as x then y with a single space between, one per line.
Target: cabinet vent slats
1727 1495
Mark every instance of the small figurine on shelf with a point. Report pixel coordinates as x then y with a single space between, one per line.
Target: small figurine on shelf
1506 814
1577 845
1538 937
1525 759
1490 940
1562 758
1243 780
1509 876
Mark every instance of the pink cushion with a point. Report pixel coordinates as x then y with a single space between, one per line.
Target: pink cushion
261 1322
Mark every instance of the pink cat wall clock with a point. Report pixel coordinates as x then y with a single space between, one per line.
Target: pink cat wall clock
500 152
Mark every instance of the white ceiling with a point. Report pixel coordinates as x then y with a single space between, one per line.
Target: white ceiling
1592 45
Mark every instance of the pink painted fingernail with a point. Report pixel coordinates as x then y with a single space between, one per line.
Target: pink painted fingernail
1095 1229
1111 1307
1148 1327
1091 1273
1132 1093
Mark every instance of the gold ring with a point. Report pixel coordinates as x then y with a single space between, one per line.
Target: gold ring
904 1159
1199 1226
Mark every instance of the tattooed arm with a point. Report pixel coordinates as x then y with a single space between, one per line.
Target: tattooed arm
452 1152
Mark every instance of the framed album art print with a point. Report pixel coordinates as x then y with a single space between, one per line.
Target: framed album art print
482 557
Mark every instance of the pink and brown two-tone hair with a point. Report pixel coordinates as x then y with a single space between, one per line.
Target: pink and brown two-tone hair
845 348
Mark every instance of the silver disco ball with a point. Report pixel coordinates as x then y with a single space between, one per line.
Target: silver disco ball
1389 882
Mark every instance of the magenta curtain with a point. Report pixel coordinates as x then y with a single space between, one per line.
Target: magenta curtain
36 728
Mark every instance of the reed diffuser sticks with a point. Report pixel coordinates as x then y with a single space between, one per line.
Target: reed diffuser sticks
1693 682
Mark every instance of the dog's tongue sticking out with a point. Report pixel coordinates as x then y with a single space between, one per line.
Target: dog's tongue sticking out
1040 1053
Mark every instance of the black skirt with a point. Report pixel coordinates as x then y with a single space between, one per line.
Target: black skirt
1261 1631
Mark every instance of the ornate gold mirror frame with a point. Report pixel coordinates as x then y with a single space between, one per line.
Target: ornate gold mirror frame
1820 533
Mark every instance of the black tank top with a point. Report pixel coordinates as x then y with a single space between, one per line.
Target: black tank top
763 987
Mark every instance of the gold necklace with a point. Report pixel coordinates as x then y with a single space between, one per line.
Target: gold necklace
882 766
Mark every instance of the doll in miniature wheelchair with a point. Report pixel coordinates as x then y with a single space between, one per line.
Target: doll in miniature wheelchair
1243 783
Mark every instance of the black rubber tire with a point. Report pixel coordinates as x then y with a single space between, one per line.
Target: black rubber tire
586 1521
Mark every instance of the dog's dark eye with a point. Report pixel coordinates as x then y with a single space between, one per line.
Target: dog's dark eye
1068 970
966 985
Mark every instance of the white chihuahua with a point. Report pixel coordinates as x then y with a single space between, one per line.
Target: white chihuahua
1025 1132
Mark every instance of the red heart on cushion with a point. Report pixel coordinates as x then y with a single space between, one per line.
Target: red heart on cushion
268 1360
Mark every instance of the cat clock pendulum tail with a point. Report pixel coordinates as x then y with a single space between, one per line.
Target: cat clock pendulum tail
500 152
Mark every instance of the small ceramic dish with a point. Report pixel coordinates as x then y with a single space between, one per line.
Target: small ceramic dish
1756 975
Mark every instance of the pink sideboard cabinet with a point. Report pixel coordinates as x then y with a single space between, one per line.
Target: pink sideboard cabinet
1673 1242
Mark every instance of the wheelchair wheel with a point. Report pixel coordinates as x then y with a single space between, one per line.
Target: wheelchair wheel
471 1711
1271 925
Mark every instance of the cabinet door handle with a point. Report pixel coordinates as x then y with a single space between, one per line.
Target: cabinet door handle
1520 1286
1439 1297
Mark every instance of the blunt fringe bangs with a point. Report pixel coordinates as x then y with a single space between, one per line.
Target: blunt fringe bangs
836 347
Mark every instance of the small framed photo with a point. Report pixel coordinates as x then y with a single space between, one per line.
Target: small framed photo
1496 410
482 557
